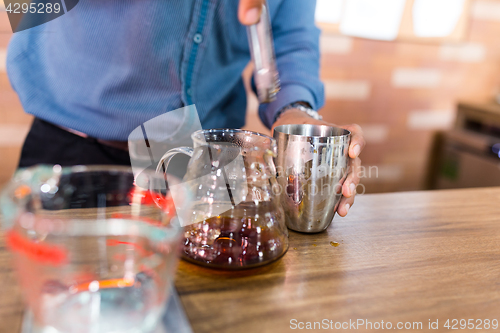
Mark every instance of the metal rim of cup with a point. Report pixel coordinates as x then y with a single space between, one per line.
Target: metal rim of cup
294 132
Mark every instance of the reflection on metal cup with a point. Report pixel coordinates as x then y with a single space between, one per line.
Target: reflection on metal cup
312 164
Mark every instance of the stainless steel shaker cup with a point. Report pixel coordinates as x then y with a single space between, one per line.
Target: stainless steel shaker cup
311 166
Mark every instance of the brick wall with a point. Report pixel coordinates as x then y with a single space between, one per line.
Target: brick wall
401 93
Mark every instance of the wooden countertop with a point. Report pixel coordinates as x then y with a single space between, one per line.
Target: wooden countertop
402 257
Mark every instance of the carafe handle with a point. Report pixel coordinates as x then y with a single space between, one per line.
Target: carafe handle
167 157
165 161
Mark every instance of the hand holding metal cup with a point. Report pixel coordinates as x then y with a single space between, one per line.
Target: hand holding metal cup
312 165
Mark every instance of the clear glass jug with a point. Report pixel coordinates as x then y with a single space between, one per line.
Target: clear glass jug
95 248
231 214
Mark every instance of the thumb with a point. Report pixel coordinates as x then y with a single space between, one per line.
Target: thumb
249 11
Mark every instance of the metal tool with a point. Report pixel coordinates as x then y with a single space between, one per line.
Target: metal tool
260 38
311 166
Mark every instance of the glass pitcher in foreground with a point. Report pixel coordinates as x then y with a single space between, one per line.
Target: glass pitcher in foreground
95 248
231 213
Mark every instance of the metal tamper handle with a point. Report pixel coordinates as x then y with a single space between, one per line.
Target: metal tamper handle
260 38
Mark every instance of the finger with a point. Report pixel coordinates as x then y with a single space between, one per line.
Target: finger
345 205
352 180
349 188
357 140
249 11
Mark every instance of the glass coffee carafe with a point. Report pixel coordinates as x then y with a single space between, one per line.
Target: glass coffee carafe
227 201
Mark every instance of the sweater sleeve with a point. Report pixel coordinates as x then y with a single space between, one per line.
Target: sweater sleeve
296 40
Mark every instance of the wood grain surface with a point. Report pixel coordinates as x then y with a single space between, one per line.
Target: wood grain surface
401 257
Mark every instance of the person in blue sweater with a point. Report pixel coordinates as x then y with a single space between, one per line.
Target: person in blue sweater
105 67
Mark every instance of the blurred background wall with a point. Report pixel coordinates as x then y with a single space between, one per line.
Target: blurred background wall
400 92
14 123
